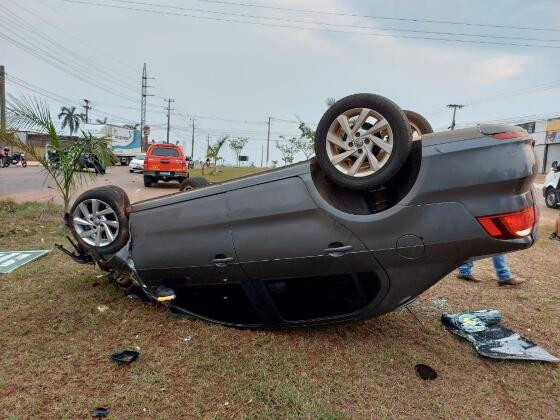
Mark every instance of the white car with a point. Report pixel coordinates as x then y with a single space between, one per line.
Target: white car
551 187
137 164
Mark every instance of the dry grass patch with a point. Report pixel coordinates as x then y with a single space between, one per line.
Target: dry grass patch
56 346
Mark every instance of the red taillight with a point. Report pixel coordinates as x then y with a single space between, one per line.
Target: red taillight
510 225
509 135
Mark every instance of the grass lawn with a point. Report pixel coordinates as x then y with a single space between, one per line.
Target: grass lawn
56 346
224 173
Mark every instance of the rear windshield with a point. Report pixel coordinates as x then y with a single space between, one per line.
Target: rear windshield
165 151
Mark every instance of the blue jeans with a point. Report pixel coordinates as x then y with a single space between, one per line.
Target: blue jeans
500 264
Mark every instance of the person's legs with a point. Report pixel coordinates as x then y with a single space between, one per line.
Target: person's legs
465 272
556 232
502 269
503 273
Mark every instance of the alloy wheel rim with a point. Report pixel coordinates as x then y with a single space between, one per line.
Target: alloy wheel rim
357 151
550 199
96 223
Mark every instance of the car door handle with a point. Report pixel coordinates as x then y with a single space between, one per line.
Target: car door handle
222 261
338 251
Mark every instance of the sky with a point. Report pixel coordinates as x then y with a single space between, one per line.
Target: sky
232 64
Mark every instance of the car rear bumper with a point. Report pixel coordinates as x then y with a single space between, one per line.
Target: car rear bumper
166 174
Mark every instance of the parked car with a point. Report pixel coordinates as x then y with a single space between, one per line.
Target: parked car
137 163
551 186
362 229
164 162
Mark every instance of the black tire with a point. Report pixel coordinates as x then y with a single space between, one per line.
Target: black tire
147 181
6 163
130 170
24 163
421 123
193 183
402 140
551 199
117 199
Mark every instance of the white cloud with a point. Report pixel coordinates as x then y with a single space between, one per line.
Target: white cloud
498 69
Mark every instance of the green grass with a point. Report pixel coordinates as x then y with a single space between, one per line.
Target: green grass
224 173
56 347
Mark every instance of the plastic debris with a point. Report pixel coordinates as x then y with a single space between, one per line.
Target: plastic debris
425 372
187 338
482 329
125 356
99 413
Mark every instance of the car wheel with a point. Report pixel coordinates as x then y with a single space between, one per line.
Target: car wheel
361 158
99 219
193 183
418 124
551 198
130 170
147 181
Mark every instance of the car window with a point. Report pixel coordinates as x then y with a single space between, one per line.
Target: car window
165 151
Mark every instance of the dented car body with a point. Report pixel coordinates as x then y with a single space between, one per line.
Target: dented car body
289 247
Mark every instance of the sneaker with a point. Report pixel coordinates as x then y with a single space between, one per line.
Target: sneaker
511 282
554 236
468 277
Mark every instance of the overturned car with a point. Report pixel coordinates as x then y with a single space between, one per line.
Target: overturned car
384 211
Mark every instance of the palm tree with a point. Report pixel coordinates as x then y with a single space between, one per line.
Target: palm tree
70 118
214 151
32 113
131 126
101 121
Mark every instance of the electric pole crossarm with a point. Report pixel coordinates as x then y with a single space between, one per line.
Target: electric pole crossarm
455 107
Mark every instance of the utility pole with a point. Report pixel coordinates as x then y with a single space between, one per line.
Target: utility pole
455 107
2 99
87 107
143 97
262 154
207 142
192 141
169 109
268 142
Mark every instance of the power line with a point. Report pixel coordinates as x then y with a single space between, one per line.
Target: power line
43 44
371 34
400 19
281 19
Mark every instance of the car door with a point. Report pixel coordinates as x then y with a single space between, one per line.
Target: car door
294 250
185 243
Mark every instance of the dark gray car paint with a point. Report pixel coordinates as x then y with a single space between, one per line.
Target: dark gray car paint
277 225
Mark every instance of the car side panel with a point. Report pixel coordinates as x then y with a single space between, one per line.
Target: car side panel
180 241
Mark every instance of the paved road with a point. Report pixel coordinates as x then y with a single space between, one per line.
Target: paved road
24 184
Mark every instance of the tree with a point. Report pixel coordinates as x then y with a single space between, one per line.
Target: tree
63 166
237 145
306 140
101 121
288 149
70 118
214 151
132 126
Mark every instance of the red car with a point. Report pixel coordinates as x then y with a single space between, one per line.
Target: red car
164 162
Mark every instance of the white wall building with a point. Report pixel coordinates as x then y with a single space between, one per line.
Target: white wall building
547 140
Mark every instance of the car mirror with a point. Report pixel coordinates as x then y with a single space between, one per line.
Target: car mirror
555 166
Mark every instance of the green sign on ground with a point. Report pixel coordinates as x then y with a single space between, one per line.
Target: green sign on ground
10 260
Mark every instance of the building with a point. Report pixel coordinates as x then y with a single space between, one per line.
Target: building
39 141
547 140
